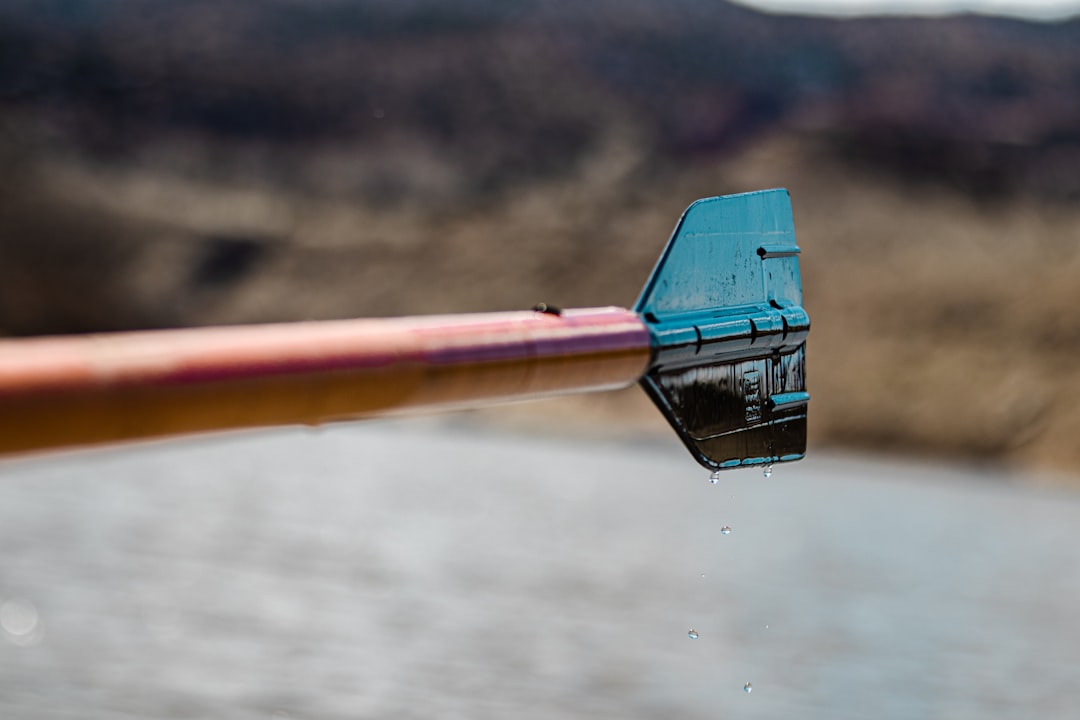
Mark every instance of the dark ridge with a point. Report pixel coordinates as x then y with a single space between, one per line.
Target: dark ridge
226 259
506 91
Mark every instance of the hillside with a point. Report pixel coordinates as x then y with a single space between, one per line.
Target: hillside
173 164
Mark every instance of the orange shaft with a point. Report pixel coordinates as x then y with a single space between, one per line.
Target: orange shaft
81 390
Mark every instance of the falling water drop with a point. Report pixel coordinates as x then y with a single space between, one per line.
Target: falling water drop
726 530
748 688
19 622
715 477
18 617
767 472
693 634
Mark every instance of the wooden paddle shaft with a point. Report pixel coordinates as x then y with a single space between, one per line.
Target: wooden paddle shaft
81 390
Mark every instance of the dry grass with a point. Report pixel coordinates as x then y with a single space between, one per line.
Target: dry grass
941 325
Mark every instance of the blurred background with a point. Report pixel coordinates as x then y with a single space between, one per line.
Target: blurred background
170 164
174 164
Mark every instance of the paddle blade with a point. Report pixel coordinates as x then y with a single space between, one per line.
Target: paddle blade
724 308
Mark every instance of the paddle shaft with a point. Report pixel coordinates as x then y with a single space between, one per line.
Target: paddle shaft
83 390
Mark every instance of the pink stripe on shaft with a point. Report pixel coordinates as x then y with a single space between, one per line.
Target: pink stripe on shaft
211 378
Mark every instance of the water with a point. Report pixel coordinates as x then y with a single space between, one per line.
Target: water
330 575
767 471
726 530
748 688
715 477
693 634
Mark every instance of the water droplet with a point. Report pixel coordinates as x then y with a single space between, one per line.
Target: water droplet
726 530
715 477
767 472
19 621
702 574
748 688
766 626
693 634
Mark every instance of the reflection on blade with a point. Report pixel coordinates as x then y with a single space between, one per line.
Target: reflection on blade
724 306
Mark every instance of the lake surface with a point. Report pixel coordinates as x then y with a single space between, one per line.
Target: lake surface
418 569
